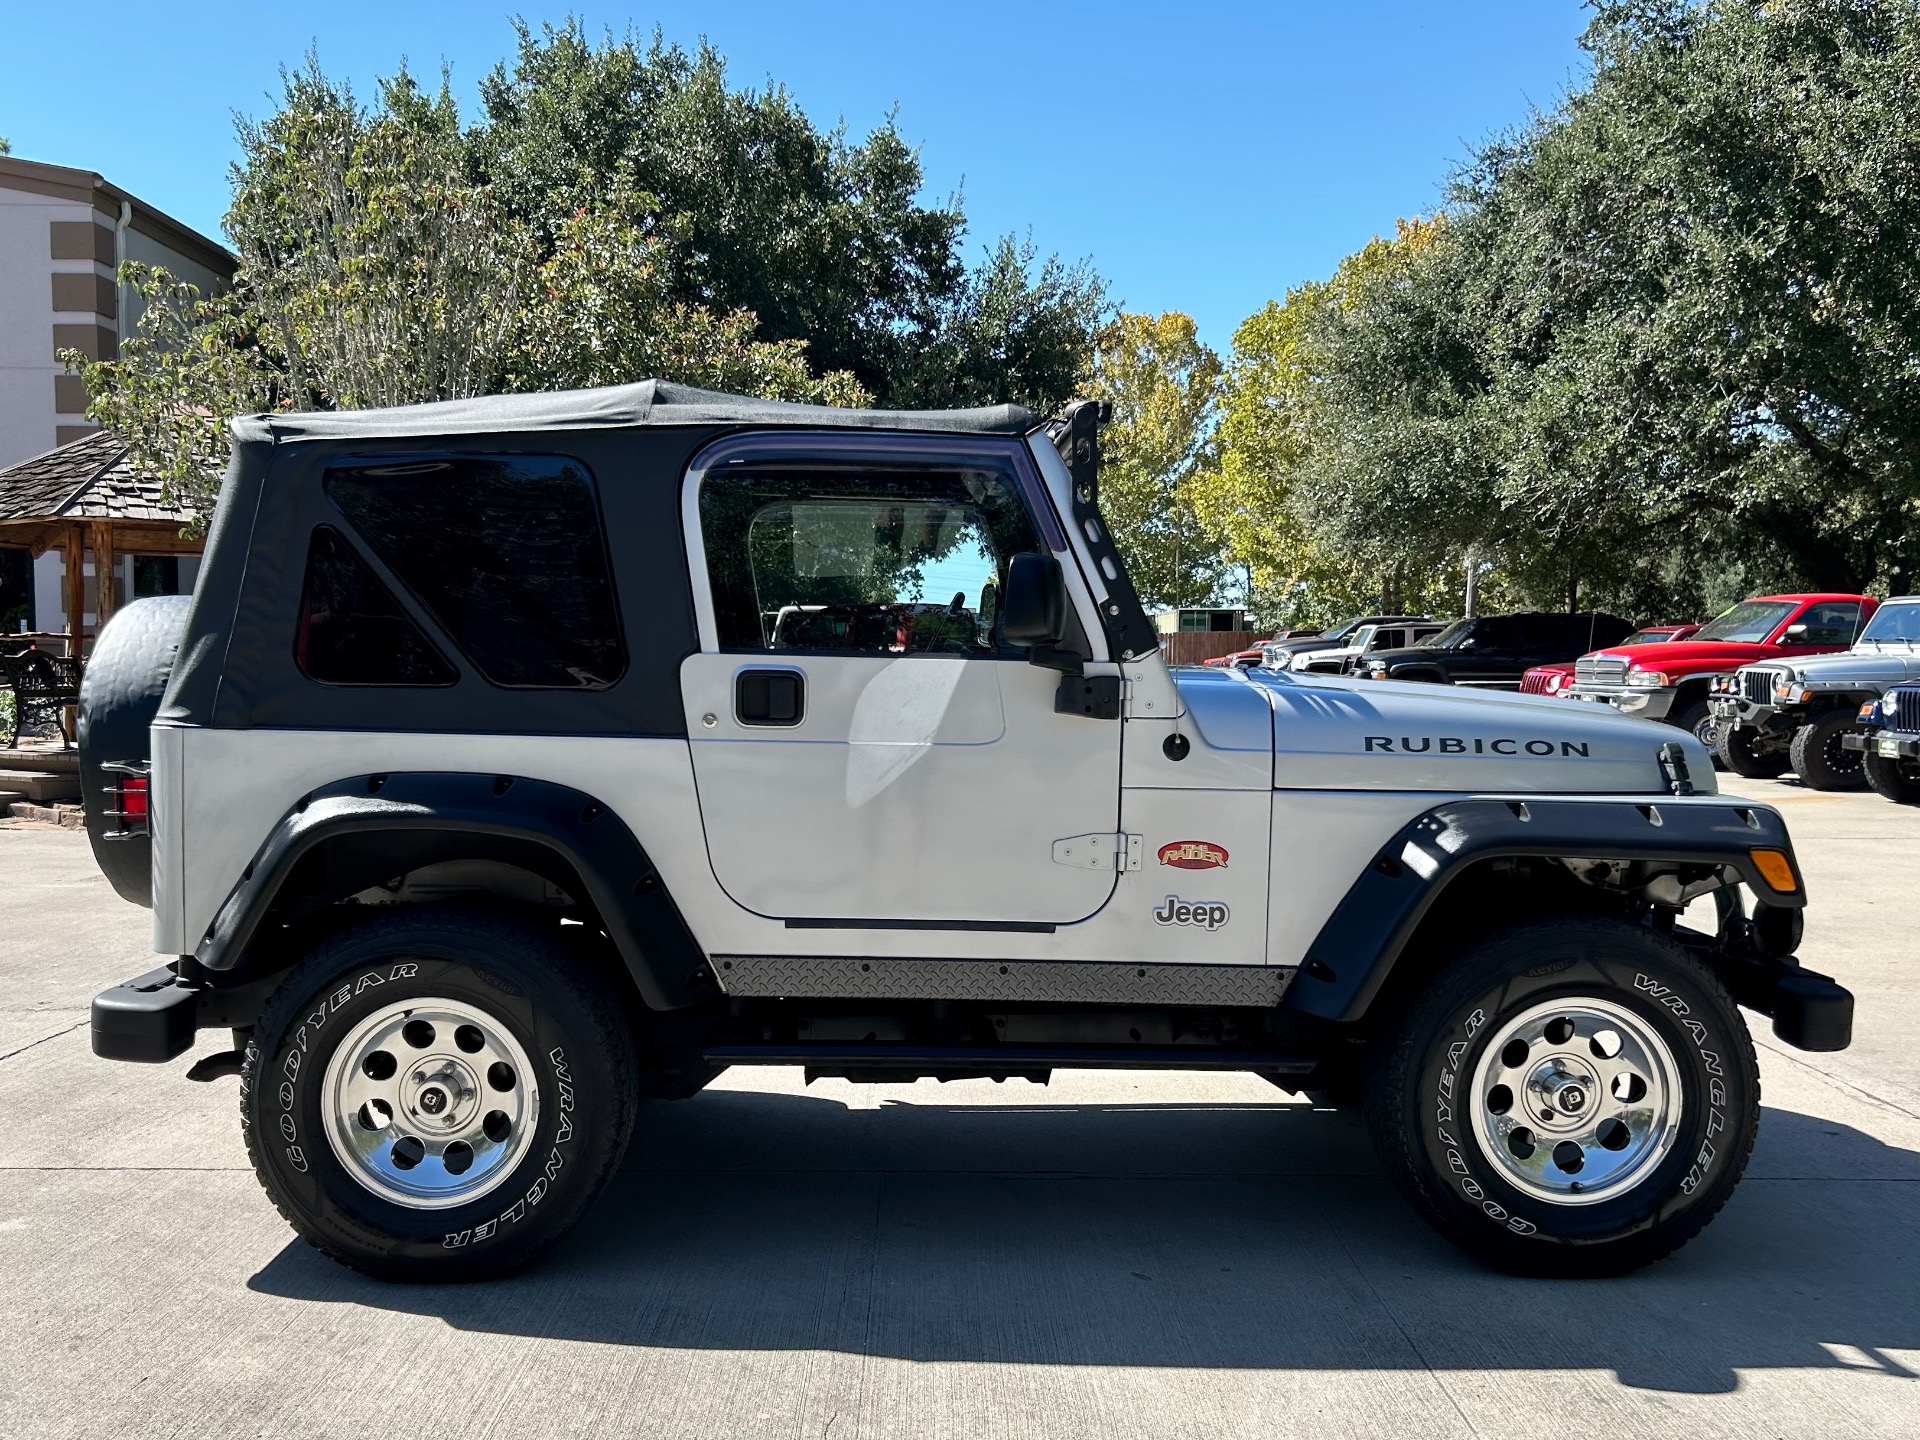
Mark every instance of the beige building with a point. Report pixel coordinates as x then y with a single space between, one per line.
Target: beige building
63 236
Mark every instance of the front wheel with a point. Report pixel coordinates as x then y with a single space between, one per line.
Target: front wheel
1567 1097
1897 780
438 1093
1818 758
1749 753
1697 720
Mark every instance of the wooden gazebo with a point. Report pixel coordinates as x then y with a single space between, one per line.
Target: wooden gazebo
85 497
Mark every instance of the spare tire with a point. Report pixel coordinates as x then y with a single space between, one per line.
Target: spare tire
120 692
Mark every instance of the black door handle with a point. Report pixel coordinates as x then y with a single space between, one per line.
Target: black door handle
770 697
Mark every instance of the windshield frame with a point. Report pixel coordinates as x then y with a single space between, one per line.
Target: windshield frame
1779 611
1887 608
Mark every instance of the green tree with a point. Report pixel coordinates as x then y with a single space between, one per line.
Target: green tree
1164 384
823 238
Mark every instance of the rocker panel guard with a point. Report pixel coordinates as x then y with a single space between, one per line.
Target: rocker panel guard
1350 958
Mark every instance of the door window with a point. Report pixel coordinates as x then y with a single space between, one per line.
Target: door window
1831 622
897 561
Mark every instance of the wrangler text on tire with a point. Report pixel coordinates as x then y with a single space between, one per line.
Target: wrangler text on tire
439 1092
1566 1097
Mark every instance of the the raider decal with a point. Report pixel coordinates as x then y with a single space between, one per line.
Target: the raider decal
1477 745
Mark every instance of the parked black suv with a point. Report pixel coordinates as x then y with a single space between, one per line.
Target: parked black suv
1492 652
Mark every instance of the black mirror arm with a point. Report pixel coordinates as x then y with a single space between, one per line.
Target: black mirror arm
1052 657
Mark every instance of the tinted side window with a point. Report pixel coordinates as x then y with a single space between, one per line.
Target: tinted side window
1832 622
505 552
352 631
882 561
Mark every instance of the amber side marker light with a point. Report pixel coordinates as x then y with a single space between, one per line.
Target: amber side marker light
1776 869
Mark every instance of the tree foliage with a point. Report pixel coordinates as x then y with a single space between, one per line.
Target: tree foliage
618 212
1659 349
1164 385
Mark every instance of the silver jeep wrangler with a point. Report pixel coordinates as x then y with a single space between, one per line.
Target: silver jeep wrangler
519 761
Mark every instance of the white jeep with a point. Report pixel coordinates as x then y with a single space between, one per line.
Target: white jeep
520 760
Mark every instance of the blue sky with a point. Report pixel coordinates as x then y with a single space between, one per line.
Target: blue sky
1204 157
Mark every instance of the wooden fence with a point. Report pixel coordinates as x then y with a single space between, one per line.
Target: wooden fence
1191 647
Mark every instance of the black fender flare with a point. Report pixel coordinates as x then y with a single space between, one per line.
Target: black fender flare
1365 936
622 884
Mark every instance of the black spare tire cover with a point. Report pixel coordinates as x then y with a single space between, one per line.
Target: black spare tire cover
120 692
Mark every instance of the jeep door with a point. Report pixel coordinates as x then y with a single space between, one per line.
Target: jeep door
866 745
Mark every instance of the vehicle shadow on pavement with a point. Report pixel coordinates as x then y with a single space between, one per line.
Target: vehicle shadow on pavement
1194 1236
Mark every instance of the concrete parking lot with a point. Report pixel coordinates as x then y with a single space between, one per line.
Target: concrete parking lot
1107 1256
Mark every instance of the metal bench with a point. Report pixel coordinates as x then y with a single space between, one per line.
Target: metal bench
42 686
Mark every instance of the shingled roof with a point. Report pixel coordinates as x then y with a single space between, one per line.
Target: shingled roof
89 479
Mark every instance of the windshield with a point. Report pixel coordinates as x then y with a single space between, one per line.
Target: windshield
1894 622
1748 623
1452 635
1341 631
1648 637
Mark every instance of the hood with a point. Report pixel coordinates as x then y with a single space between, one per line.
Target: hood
1688 655
1340 733
1869 665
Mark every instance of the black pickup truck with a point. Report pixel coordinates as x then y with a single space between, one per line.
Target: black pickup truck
1492 652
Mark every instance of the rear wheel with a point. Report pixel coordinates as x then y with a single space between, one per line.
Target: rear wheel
1818 758
438 1093
1749 752
1897 780
1567 1097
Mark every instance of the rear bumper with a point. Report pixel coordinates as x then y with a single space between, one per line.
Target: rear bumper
1648 703
153 1017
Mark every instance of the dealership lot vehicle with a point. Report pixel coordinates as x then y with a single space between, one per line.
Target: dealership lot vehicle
1494 652
1281 650
1557 678
1886 740
1676 684
496 788
1780 715
1367 640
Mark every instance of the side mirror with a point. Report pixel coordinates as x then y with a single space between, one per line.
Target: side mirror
1033 607
1793 634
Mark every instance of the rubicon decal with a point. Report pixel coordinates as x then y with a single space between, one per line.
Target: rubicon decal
1478 745
1207 914
1194 855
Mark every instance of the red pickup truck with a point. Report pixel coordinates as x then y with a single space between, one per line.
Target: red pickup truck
1670 682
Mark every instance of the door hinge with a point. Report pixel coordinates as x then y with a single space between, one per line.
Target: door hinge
1098 852
1097 697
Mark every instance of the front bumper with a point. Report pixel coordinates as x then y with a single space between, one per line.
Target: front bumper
1645 702
1887 744
1733 710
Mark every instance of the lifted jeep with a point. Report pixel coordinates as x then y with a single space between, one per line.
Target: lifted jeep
518 760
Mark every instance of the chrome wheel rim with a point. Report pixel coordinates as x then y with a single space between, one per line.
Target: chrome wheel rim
430 1103
1576 1100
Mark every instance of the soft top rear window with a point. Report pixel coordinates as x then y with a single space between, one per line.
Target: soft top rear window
506 552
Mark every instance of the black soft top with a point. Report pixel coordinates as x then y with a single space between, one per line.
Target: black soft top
236 667
615 407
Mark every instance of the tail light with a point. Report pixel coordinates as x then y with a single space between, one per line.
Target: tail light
126 797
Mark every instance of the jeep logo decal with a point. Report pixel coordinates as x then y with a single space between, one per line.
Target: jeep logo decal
1194 855
1455 745
1208 914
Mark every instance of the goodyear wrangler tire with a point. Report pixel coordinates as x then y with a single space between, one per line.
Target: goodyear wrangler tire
1567 1097
438 1093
